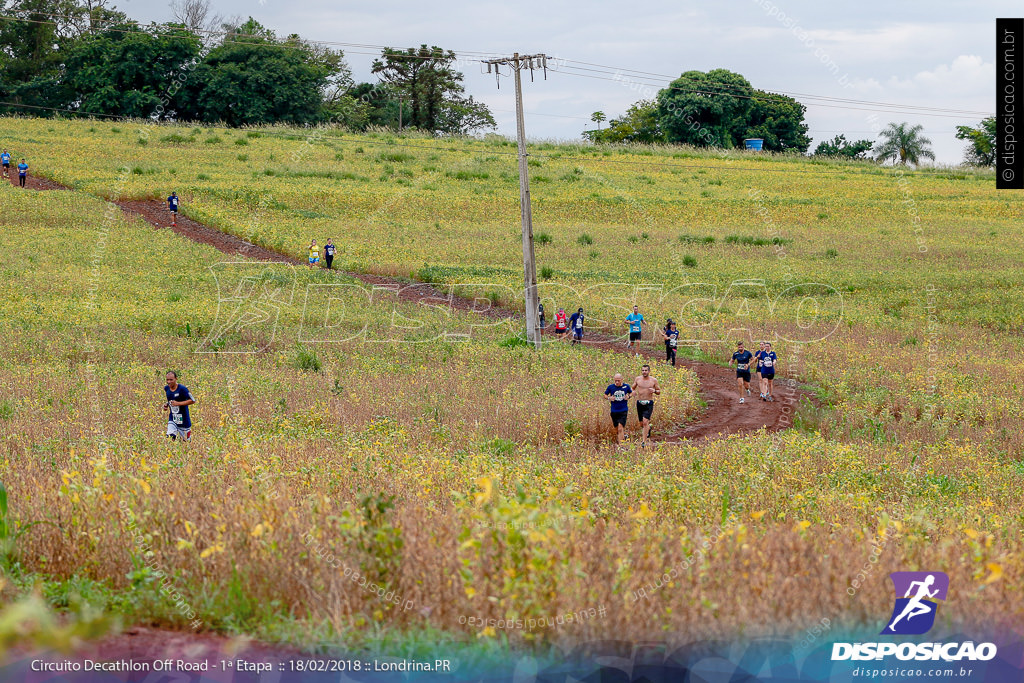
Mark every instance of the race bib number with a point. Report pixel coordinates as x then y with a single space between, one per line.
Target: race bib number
767 362
672 342
620 395
176 415
741 366
579 324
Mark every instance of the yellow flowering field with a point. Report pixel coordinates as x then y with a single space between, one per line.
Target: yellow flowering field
470 478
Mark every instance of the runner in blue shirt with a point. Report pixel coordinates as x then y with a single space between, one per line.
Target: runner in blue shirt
5 160
635 321
742 359
769 361
618 394
178 400
22 173
172 206
757 356
576 325
671 335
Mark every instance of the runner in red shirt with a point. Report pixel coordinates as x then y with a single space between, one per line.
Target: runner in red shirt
561 323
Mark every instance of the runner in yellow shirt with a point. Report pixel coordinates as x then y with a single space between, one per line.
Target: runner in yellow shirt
314 254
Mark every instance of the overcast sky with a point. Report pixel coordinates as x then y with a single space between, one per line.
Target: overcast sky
937 54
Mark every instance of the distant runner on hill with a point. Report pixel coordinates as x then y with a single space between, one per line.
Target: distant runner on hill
742 359
646 388
671 342
314 254
768 362
540 314
329 252
172 206
22 172
5 160
635 320
576 325
561 323
618 394
178 400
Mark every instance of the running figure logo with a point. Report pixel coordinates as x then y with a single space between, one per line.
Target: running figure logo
917 596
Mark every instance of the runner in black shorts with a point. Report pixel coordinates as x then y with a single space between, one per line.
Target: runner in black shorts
645 388
742 359
618 394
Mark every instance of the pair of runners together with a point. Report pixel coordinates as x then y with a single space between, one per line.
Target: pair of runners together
618 393
766 362
314 253
5 161
563 324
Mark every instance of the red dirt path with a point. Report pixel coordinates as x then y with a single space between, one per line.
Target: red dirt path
723 414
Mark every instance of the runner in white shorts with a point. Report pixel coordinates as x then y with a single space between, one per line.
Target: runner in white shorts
179 423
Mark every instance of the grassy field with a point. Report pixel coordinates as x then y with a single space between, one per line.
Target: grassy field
472 480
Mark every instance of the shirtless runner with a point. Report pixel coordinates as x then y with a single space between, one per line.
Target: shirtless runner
645 388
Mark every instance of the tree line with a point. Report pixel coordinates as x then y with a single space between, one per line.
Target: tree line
720 108
82 56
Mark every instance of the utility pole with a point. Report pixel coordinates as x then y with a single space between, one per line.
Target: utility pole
517 63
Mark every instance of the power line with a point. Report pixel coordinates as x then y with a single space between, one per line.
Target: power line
727 86
810 104
723 89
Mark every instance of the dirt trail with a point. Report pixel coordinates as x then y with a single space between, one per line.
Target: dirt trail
723 414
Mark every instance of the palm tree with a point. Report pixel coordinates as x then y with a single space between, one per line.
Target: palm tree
597 117
904 144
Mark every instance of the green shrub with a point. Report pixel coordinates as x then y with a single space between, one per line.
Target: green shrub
547 272
306 359
175 139
542 238
584 240
689 261
241 142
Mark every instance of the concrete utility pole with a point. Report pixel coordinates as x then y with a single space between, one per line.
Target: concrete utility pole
517 63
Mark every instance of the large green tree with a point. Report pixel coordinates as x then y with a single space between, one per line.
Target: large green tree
706 109
903 144
982 148
126 71
254 78
779 121
425 78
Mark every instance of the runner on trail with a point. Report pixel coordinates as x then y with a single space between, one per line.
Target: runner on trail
635 320
22 172
576 325
329 252
314 254
172 206
742 359
768 362
757 357
645 388
540 314
618 395
5 159
561 323
671 343
178 400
